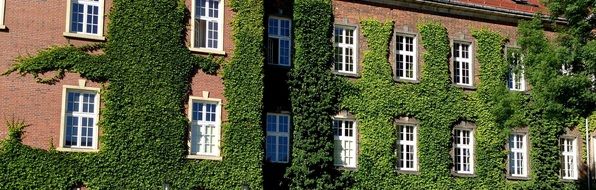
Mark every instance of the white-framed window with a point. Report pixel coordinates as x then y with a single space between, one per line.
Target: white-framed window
85 17
462 63
516 80
279 43
79 118
406 59
2 4
566 69
593 150
407 148
344 136
463 151
207 24
277 145
518 155
569 158
205 126
345 40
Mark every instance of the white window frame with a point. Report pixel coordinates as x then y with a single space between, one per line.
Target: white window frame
344 46
280 37
100 20
593 150
569 154
404 52
62 145
512 77
512 80
215 154
460 59
462 147
220 22
513 154
566 70
277 135
343 139
2 12
402 128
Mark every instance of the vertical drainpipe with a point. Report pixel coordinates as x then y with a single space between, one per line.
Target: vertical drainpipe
588 153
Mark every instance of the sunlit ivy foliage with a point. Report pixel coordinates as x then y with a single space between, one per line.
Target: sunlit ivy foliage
147 69
438 106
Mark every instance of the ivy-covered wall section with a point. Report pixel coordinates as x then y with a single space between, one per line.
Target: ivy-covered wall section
143 124
144 127
438 106
314 97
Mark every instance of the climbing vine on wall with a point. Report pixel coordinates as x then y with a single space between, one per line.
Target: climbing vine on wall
314 96
438 105
143 126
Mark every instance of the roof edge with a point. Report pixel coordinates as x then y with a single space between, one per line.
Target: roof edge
466 10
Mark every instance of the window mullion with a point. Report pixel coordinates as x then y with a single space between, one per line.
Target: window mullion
345 51
85 13
80 120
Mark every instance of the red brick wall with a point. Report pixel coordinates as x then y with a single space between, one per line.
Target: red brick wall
34 25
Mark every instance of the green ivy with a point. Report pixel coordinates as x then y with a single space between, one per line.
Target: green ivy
143 126
438 105
314 97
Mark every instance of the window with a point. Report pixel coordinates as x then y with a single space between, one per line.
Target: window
569 158
207 24
279 41
464 151
205 127
344 136
80 117
516 80
566 69
85 17
345 49
2 2
518 155
278 138
407 67
406 149
462 63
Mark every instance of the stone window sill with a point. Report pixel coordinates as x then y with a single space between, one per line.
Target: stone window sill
203 157
207 51
411 172
62 149
462 174
518 178
402 80
84 36
465 87
351 75
346 168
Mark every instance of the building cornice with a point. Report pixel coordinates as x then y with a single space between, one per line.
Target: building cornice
474 11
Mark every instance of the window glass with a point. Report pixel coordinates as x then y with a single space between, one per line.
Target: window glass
279 42
204 128
277 148
80 119
344 135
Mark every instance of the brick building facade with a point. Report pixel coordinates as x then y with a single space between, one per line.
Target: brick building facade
28 26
